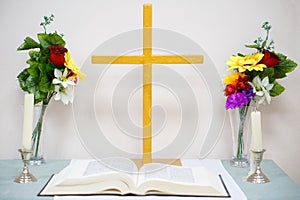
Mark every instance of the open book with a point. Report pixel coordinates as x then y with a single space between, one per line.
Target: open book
121 176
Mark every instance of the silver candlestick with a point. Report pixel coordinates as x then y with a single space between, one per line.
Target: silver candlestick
258 176
25 176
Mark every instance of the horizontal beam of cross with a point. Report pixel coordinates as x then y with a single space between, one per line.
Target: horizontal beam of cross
153 59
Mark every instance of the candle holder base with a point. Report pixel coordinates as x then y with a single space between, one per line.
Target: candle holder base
258 176
25 176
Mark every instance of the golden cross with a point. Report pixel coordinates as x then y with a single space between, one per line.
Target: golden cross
147 59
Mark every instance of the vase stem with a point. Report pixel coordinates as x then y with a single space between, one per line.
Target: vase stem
38 130
37 157
242 115
239 123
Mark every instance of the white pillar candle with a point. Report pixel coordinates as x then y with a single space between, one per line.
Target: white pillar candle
27 121
256 141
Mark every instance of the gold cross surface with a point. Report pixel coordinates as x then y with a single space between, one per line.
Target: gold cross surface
147 59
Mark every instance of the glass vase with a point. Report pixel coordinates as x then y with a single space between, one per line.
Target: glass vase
37 140
240 127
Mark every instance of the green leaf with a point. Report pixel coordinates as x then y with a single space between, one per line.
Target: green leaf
33 70
253 46
279 72
28 43
47 40
44 56
281 56
267 72
270 73
262 74
276 90
22 77
34 55
39 96
283 67
31 84
45 84
50 69
44 40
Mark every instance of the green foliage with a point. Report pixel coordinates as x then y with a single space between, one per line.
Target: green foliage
280 71
22 77
283 67
47 21
28 43
277 89
47 40
262 74
253 46
260 43
37 78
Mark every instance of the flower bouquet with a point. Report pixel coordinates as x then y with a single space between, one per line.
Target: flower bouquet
51 73
253 78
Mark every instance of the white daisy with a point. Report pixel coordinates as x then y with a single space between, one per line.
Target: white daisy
64 94
61 78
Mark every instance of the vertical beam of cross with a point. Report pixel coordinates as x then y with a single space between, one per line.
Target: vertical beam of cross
147 59
147 84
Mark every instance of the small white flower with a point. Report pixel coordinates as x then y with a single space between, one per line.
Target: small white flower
61 78
64 87
64 94
262 89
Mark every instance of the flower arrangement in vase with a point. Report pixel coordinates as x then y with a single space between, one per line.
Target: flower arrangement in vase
51 73
253 78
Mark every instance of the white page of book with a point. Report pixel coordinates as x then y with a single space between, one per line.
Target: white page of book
116 164
180 174
165 172
212 164
89 168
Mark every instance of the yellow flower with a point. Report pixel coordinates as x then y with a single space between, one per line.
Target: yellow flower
69 63
230 79
236 62
246 63
252 61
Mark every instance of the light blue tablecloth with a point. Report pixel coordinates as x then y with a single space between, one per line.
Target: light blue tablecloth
281 186
10 169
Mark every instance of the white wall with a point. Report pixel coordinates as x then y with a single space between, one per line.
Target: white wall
221 28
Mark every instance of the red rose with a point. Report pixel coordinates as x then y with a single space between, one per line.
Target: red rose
270 59
57 55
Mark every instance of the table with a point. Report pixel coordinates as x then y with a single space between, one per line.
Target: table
280 187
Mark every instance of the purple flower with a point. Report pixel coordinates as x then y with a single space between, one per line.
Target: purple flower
249 93
236 100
